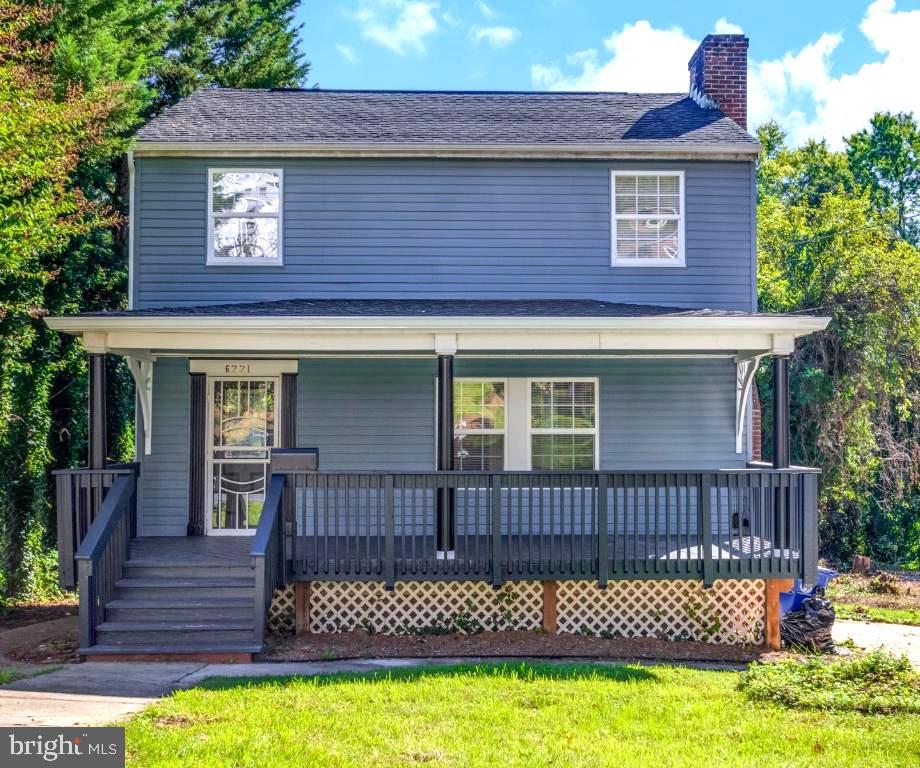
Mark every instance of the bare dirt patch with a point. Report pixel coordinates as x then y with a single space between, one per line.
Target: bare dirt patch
41 642
360 645
23 614
884 589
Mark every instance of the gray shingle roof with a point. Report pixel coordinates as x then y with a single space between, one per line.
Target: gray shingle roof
423 308
441 117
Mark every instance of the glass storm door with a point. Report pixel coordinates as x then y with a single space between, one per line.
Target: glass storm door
242 434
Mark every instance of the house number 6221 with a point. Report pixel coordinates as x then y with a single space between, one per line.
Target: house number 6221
232 368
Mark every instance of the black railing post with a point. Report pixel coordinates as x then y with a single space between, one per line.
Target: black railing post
808 557
495 481
389 541
603 554
445 526
709 575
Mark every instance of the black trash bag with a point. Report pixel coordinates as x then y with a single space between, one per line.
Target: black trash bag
810 628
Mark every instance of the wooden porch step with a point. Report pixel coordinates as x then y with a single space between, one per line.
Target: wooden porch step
168 634
183 588
180 609
203 652
148 569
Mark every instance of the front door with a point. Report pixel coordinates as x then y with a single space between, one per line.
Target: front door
244 415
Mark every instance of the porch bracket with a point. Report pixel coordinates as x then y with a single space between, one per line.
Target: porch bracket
746 368
142 371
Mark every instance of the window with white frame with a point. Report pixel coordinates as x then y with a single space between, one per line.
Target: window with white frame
244 216
648 218
479 425
563 424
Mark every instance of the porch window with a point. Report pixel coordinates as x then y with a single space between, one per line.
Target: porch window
479 425
648 221
244 217
563 424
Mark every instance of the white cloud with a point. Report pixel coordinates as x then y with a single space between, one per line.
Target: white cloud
725 27
400 25
800 90
347 53
497 37
642 58
485 10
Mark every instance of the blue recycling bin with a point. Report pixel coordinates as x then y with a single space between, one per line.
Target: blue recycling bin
792 600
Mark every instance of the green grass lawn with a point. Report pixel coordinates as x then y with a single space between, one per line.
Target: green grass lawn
909 616
510 715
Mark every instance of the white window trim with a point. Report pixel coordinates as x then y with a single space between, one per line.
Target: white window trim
681 260
503 432
236 262
531 430
517 423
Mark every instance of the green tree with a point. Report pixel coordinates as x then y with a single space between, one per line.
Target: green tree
825 245
231 43
64 196
885 159
44 136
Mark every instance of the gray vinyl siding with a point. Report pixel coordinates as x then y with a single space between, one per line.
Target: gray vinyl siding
654 414
451 228
379 414
163 497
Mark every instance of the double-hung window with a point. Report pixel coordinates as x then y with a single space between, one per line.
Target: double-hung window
479 425
244 216
648 219
563 424
520 424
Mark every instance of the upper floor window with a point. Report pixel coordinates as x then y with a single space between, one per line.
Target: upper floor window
244 216
648 219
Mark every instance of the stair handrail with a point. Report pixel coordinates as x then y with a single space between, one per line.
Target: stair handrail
267 554
102 554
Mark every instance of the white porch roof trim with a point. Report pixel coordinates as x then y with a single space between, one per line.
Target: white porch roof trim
141 339
752 334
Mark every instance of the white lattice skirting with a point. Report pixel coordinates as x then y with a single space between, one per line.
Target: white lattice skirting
731 612
432 606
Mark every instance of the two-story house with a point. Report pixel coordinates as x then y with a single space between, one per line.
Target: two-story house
404 355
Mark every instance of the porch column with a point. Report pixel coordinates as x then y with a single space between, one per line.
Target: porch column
780 411
445 513
97 415
781 533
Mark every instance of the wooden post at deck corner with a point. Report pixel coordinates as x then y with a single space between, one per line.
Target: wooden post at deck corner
550 623
771 624
301 607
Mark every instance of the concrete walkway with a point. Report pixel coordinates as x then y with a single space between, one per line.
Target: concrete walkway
897 638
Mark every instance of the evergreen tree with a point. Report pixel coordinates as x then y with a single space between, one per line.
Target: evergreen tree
232 43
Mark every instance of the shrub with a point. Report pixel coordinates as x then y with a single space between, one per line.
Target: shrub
876 683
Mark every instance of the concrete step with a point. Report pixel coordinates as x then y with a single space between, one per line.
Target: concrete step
170 633
142 569
148 609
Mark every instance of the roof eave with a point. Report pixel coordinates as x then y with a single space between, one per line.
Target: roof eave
628 150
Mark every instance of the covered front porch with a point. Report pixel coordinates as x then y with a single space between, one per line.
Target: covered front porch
601 443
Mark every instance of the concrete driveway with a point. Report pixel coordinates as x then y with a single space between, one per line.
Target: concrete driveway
897 638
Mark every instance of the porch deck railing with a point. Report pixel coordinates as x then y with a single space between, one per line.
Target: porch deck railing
498 526
103 552
79 494
267 553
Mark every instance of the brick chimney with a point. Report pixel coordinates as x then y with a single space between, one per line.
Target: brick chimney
718 75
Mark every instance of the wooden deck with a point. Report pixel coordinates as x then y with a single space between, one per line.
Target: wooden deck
192 550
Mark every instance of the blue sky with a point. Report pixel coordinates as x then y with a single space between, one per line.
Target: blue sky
820 68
